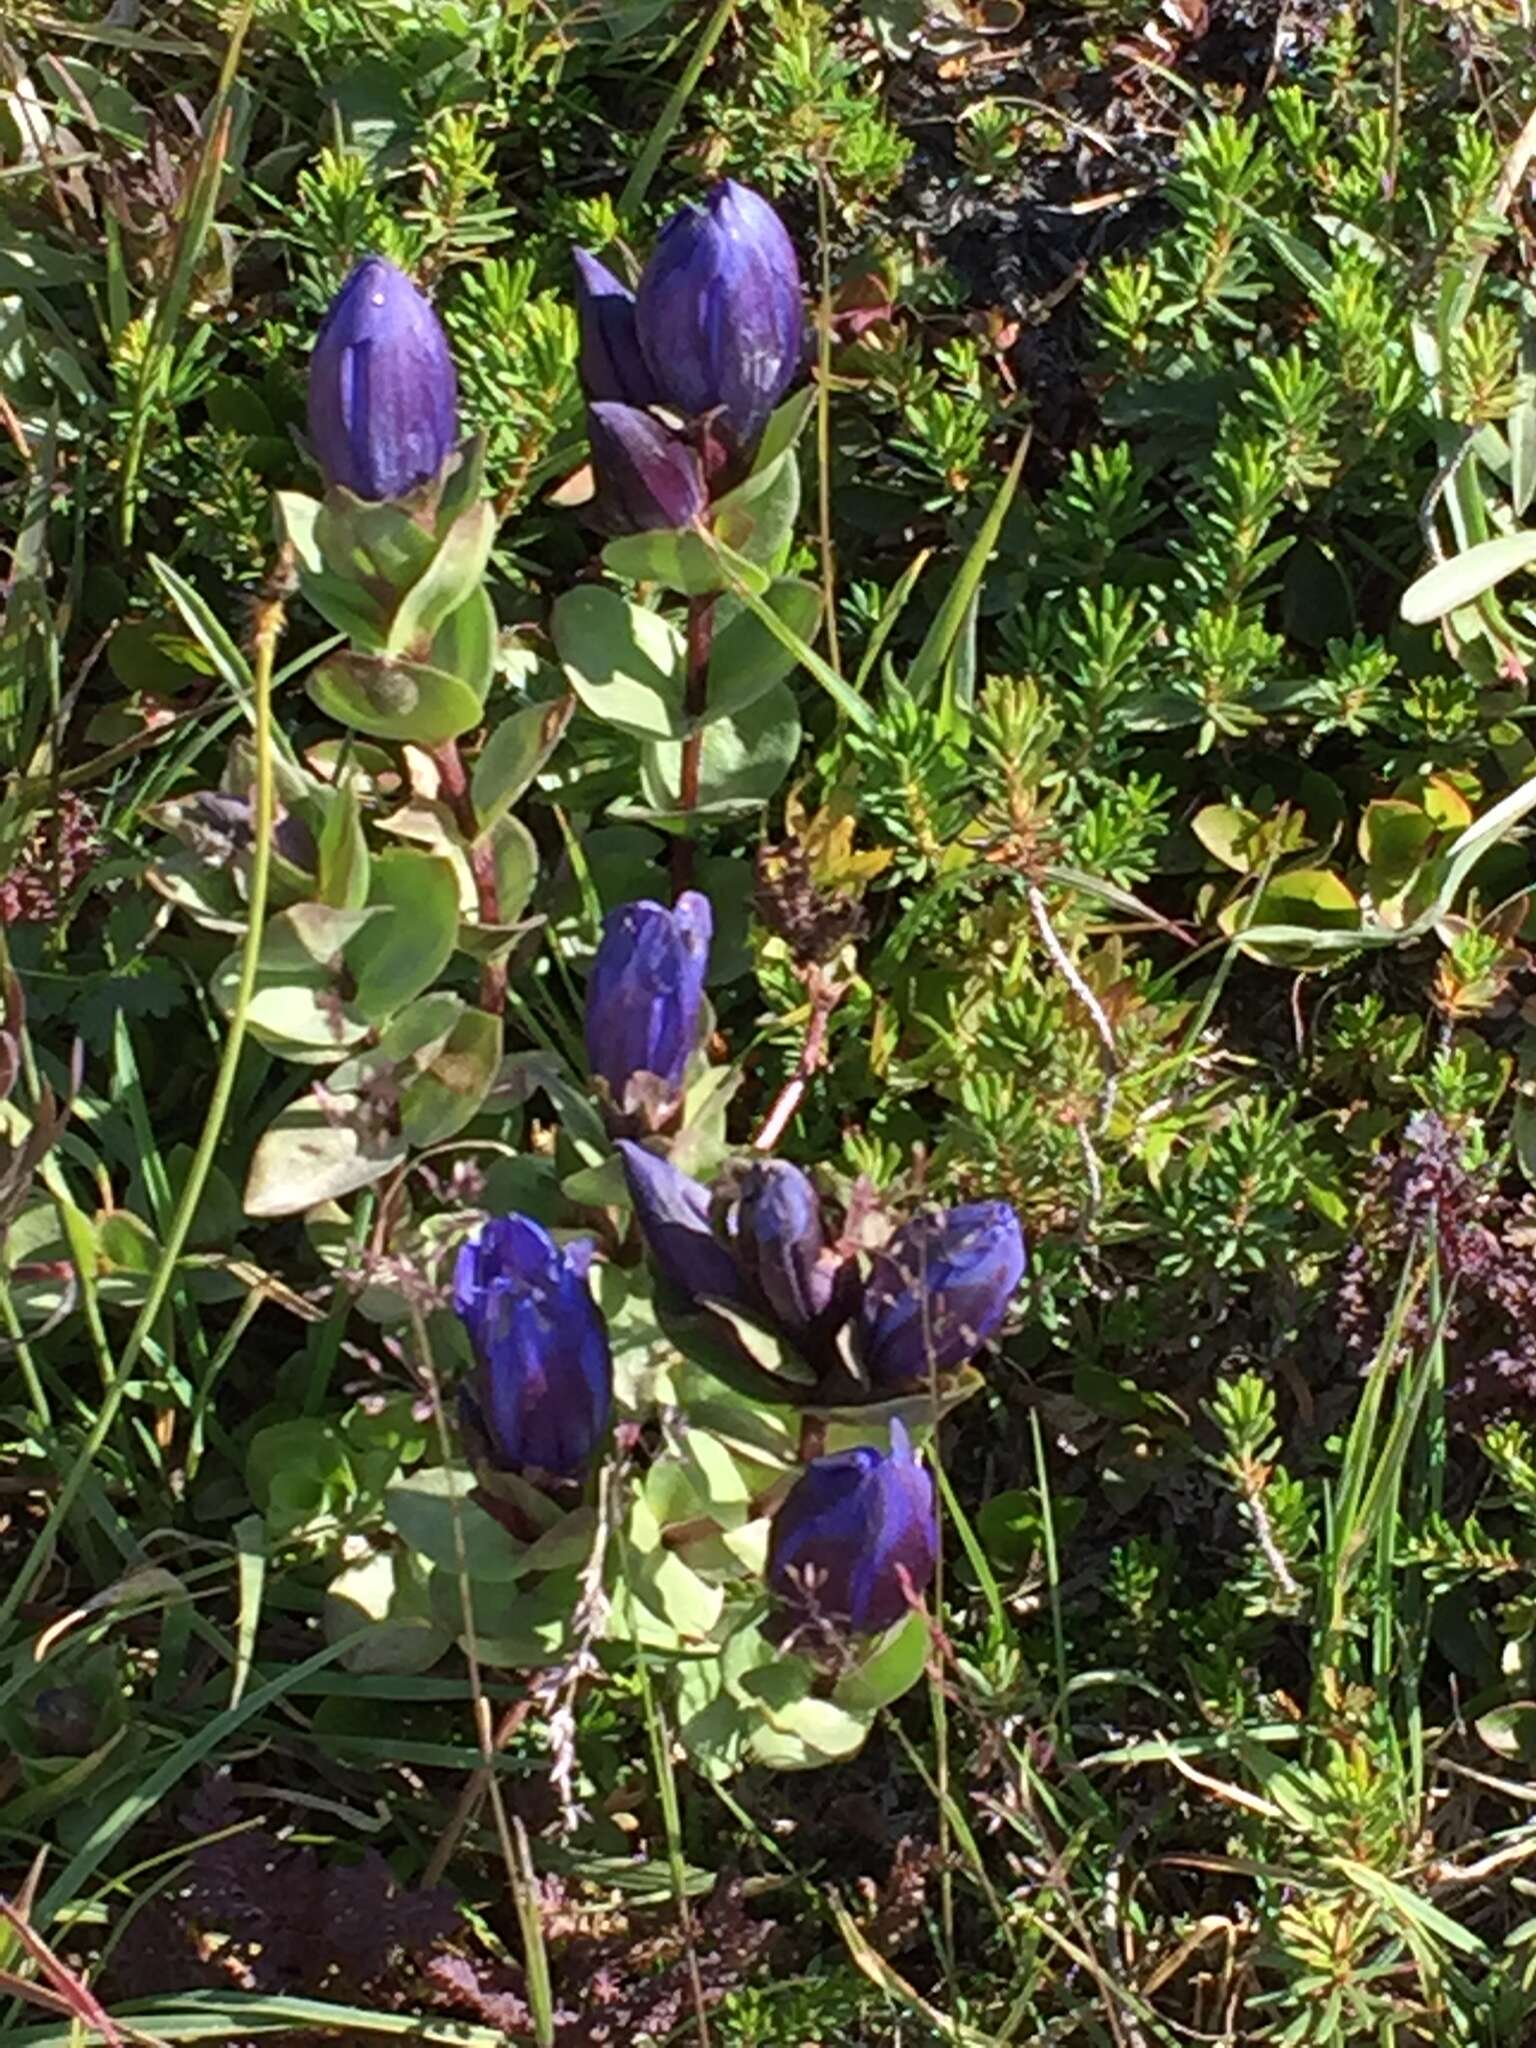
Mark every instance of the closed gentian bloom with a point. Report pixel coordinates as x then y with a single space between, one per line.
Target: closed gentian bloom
544 1390
780 1242
673 1211
383 399
612 367
720 314
939 1290
645 992
857 1538
647 477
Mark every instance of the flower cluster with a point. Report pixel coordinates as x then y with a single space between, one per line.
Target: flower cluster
855 1541
934 1294
681 377
682 374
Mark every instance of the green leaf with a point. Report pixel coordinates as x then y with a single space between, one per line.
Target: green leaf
227 660
624 663
932 657
454 1081
422 1508
376 1609
1450 585
448 584
663 1587
339 601
747 658
683 560
394 700
465 643
344 861
297 1006
157 655
757 518
224 2016
1229 834
846 699
891 1666
362 543
744 759
807 1734
405 947
513 755
515 856
317 1150
1394 836
1303 902
869 1422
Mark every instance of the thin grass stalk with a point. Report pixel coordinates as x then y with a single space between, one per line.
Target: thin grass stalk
268 630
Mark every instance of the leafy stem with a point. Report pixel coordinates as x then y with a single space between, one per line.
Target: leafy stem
481 855
699 641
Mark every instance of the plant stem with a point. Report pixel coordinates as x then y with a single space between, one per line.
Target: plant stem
268 630
482 865
825 995
700 641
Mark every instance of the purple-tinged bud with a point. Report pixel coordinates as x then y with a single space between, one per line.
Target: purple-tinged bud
612 367
781 1244
673 1211
857 1539
720 312
383 399
939 1290
647 477
544 1390
646 991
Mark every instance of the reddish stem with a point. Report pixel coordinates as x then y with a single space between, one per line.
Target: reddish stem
700 641
482 865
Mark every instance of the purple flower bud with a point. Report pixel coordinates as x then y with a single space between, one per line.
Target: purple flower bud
857 1538
612 367
383 400
939 1290
780 1243
673 1211
645 992
647 477
544 1391
720 312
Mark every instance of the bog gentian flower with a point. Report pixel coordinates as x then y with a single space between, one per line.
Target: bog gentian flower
646 475
612 367
544 1389
857 1538
645 994
719 313
674 1214
938 1291
383 399
781 1245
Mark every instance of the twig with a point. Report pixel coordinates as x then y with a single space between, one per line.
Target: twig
825 995
473 1795
1444 477
1109 1057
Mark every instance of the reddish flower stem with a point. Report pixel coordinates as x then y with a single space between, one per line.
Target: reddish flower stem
482 865
699 643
